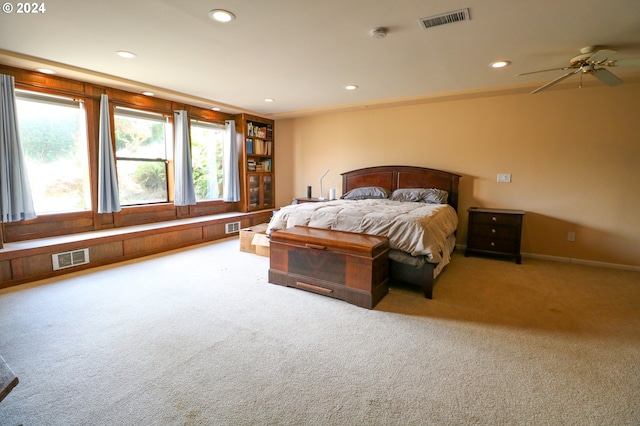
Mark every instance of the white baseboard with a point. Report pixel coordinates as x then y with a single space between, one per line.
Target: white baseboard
573 261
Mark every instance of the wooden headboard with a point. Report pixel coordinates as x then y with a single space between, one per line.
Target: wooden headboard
394 177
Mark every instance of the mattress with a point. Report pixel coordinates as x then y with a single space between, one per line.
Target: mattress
418 229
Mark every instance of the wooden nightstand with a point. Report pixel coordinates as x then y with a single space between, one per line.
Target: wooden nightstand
307 200
494 231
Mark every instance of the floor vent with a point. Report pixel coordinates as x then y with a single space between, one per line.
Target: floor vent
445 18
231 228
70 258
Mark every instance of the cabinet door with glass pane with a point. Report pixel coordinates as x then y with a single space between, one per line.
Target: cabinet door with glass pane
254 192
267 191
260 191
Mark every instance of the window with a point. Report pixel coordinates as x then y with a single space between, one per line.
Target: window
141 156
53 132
206 157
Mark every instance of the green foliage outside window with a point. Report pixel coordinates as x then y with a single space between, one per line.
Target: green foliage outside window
141 159
206 160
53 138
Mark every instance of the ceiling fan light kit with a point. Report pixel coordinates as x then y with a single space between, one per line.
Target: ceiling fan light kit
591 61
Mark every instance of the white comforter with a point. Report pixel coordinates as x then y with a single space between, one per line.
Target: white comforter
415 228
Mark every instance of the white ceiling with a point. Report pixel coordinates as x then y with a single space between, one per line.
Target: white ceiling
303 52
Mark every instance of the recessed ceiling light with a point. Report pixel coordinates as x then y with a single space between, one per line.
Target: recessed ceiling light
499 64
148 93
215 109
221 15
351 87
269 100
46 71
125 54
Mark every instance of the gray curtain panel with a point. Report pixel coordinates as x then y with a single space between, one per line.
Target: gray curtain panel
231 184
108 196
16 202
184 192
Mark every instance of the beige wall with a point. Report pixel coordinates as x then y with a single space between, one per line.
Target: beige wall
574 156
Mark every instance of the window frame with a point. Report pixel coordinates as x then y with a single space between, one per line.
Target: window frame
135 111
212 124
72 100
56 224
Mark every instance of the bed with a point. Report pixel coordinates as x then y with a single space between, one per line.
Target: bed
434 228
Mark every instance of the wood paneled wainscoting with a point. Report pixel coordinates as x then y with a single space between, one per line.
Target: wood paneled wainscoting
27 248
31 260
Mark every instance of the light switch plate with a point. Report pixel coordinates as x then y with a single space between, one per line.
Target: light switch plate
504 177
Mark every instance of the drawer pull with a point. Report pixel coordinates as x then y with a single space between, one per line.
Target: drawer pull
315 246
493 218
493 231
493 244
314 288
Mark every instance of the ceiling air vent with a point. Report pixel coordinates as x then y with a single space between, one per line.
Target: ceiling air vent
445 18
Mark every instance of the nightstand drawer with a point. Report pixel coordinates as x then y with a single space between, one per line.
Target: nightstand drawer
495 218
499 232
494 245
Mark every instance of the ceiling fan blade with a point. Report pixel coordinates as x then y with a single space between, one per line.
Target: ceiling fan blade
606 76
557 80
535 72
625 63
601 56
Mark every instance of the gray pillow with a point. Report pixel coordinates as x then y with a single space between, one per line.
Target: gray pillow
421 195
366 192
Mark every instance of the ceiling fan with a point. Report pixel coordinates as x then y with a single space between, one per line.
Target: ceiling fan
590 61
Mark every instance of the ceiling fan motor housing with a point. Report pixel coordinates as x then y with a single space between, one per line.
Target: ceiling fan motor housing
579 61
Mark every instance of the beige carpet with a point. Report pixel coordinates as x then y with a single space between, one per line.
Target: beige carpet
199 337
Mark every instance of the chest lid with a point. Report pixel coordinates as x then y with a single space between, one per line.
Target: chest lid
329 239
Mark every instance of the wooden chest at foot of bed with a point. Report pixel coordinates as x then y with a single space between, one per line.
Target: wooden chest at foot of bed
345 265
